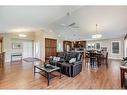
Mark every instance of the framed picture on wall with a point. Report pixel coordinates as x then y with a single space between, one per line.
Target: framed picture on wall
16 45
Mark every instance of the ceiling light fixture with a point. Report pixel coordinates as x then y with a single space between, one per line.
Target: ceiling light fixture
50 31
22 35
20 30
97 35
59 35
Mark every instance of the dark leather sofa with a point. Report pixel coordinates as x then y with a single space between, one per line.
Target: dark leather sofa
125 59
70 69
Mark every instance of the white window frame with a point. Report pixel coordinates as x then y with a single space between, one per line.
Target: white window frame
119 48
125 48
89 44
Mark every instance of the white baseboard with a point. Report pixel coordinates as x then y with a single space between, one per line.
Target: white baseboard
115 58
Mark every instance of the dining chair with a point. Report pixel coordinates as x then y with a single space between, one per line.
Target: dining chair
93 59
87 58
105 58
99 59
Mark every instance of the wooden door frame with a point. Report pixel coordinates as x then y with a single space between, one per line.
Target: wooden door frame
67 43
1 42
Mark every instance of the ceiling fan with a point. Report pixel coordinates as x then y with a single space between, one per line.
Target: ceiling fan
72 25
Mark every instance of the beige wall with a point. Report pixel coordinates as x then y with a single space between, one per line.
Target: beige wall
8 38
107 43
125 48
40 43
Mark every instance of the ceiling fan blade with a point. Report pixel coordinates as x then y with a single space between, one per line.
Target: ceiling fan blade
75 27
62 25
72 24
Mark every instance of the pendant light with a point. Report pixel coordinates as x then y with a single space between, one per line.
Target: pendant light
97 35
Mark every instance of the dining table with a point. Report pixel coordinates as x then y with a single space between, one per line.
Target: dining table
94 56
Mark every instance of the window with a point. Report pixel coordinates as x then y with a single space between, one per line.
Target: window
89 46
115 47
98 46
93 46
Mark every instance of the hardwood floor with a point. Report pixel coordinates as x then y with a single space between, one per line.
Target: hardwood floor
20 76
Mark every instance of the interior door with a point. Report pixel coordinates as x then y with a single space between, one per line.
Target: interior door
27 49
50 47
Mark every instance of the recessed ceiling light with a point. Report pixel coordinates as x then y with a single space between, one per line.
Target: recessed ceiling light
97 35
50 31
59 35
22 35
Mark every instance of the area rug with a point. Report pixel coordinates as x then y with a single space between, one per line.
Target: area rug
31 59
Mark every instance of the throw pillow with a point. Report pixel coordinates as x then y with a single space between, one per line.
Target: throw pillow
56 58
72 60
62 60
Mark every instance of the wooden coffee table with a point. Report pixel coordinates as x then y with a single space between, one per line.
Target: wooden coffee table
46 71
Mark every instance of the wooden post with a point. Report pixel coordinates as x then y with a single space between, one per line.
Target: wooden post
2 58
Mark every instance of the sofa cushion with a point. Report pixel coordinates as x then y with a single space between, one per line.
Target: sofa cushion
62 60
73 55
68 57
56 58
62 55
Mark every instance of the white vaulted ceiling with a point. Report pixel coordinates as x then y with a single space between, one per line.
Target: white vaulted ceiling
111 20
34 17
